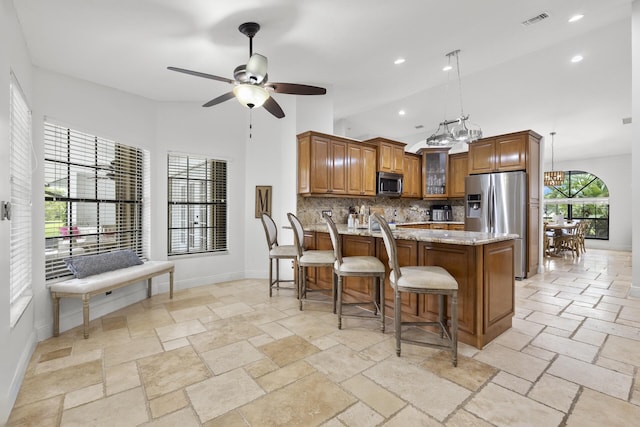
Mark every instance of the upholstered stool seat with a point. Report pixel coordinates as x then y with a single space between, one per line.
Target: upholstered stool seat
276 253
362 266
429 280
308 259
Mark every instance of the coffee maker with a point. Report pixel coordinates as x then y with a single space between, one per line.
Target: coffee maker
441 213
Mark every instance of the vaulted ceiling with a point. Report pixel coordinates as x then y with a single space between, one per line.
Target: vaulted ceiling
514 76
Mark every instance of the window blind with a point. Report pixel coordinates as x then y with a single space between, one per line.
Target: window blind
94 192
20 170
197 204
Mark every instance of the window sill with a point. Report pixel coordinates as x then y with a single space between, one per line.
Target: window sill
18 308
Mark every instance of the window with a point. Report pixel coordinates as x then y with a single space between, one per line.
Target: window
20 228
197 210
581 196
94 191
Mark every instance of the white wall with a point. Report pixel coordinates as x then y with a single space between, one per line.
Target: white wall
615 171
635 151
271 159
17 343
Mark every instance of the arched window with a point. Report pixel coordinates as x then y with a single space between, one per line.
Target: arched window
582 196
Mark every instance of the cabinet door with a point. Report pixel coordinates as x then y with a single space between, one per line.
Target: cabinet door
320 164
369 171
511 153
359 288
458 169
354 169
338 167
407 255
309 244
304 165
323 275
460 262
385 157
498 284
408 173
434 172
457 227
482 156
397 159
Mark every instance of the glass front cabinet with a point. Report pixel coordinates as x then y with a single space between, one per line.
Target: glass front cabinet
434 172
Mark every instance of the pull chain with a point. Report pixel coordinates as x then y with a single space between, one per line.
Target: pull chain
250 123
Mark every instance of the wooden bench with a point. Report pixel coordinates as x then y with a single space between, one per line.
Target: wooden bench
93 285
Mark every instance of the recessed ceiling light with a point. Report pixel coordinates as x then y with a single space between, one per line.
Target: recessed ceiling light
399 61
577 17
577 58
447 68
402 112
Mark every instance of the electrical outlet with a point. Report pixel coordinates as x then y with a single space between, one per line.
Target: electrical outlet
328 212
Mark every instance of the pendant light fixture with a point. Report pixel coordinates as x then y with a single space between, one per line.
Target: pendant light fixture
553 178
462 130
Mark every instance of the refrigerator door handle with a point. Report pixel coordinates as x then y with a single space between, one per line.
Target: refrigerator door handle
492 210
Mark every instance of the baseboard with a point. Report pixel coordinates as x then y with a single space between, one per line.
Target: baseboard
7 401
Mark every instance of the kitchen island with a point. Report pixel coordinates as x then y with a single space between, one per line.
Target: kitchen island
482 263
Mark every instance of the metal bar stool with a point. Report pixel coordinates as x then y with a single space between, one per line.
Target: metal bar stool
363 266
277 252
422 280
310 258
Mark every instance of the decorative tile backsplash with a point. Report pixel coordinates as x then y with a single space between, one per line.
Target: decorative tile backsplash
309 209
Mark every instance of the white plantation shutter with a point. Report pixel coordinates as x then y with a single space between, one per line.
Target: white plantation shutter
20 171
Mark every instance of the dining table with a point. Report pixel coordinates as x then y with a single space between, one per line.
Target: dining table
559 229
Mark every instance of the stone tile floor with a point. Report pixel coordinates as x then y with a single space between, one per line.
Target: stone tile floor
227 355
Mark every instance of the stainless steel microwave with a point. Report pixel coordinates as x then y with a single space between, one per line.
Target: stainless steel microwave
389 184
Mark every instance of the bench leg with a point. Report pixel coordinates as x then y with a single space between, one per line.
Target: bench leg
149 287
85 314
56 315
171 284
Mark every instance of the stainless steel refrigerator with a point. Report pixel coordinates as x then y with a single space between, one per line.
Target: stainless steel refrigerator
496 203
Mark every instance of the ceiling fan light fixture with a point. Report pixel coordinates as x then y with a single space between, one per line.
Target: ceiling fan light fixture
256 68
250 95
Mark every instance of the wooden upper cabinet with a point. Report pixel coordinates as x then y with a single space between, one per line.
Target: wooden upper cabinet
482 155
435 166
361 169
329 165
458 170
390 155
412 185
502 153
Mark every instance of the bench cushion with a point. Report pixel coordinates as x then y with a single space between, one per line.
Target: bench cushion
89 265
111 278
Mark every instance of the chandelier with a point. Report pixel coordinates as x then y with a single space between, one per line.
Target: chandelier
451 132
553 178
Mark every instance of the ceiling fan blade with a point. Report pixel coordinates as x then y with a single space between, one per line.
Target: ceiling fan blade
199 74
296 89
256 68
219 99
273 107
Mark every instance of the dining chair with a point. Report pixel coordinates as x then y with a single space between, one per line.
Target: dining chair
426 280
277 252
309 258
581 232
361 266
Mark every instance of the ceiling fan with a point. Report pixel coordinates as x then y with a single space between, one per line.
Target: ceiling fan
251 86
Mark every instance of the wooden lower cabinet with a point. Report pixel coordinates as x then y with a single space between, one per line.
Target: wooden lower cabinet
485 276
323 276
360 288
407 255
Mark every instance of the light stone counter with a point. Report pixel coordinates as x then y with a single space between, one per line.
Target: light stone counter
452 237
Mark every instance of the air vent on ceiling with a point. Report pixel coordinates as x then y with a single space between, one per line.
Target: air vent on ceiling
626 120
419 126
535 19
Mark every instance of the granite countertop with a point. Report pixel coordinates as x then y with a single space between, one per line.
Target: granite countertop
452 237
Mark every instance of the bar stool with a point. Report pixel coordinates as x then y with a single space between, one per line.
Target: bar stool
310 258
362 266
277 252
422 280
